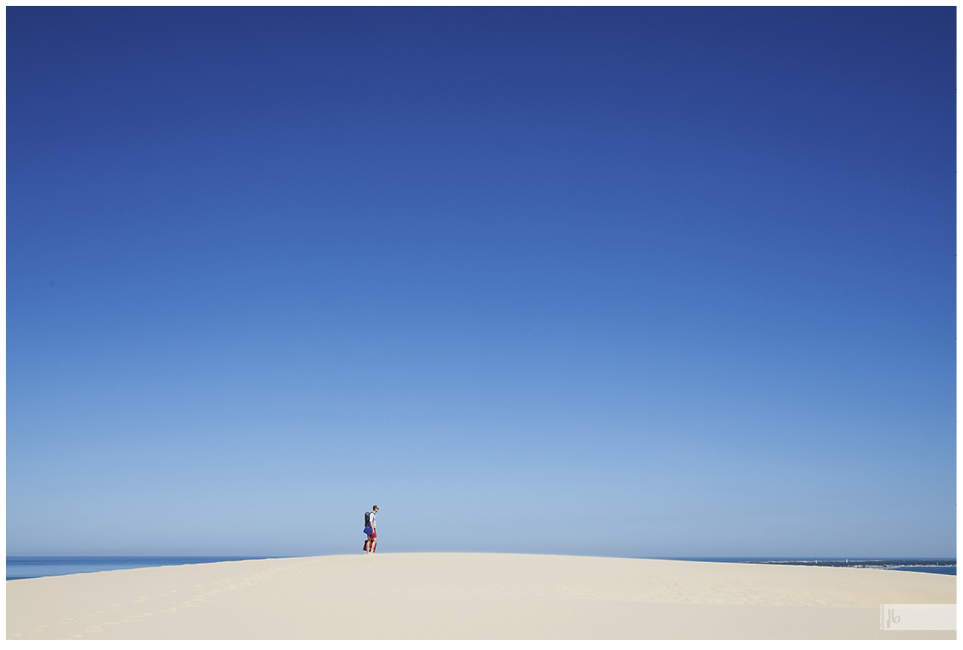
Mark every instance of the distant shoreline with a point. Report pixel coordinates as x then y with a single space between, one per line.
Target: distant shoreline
943 566
21 567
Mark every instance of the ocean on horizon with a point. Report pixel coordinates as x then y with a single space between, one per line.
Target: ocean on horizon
945 570
22 567
943 566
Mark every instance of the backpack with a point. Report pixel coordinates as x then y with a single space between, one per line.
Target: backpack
367 519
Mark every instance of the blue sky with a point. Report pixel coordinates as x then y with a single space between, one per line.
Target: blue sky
636 282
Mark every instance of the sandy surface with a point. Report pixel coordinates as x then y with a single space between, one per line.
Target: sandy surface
469 596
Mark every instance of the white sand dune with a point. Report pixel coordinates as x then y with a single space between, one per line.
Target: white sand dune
469 596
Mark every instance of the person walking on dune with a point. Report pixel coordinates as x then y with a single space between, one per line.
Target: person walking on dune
371 543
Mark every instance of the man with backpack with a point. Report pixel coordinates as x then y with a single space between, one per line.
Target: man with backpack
371 543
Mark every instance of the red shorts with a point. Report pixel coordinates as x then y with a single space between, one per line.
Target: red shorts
373 535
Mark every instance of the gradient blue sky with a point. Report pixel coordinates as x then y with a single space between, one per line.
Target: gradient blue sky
636 282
